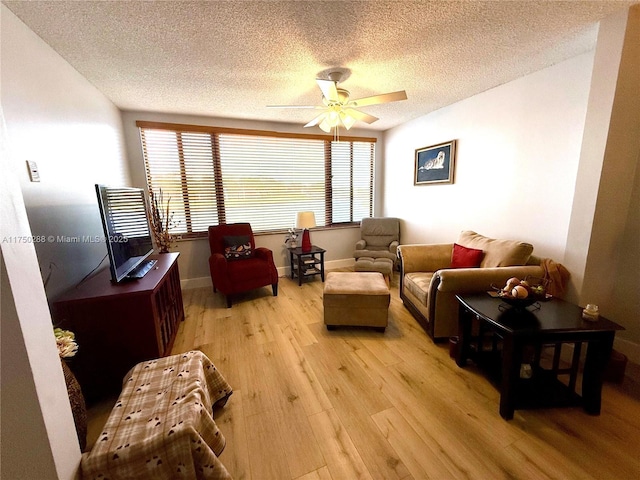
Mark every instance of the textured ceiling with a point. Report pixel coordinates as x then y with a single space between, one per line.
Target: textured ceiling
231 59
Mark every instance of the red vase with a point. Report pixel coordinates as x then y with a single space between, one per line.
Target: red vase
306 241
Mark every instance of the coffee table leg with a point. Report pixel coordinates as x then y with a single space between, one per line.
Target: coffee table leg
291 262
598 353
511 359
464 336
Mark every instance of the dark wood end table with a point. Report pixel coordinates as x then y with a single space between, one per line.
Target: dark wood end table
553 322
306 264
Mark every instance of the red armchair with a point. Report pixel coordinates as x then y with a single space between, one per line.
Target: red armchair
236 265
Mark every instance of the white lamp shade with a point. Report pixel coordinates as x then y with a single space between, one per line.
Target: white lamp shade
306 220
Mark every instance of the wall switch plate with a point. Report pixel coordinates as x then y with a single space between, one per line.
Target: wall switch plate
34 175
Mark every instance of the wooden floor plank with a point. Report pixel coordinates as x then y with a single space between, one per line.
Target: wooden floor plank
312 404
295 320
355 399
226 348
320 474
527 449
268 459
438 428
342 457
413 452
312 396
299 443
231 420
594 444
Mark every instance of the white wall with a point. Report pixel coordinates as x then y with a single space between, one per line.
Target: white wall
624 301
194 254
56 118
518 147
551 158
38 436
609 268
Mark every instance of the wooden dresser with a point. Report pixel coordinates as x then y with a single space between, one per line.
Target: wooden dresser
120 325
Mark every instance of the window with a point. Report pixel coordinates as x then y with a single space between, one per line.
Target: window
220 175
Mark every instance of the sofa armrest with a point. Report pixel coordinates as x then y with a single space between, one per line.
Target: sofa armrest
218 262
218 269
393 247
461 280
263 253
425 258
361 244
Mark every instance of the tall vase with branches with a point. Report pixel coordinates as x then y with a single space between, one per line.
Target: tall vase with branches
161 221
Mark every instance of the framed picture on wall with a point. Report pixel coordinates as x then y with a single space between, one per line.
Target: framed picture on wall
435 164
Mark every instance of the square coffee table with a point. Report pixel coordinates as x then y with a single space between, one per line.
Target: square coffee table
553 322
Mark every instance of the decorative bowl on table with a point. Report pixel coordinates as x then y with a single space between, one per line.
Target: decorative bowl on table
523 293
517 302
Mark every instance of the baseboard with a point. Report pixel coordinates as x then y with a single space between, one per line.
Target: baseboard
632 352
335 264
630 349
201 282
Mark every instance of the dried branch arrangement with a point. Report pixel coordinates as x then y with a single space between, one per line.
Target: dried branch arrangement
162 221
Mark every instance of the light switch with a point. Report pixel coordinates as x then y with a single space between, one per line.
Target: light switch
34 175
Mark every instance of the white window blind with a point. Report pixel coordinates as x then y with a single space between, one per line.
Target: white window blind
218 175
181 164
352 181
268 180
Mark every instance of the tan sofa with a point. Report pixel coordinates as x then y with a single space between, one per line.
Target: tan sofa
428 285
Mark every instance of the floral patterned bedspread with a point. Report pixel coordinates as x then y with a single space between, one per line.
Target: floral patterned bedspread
162 425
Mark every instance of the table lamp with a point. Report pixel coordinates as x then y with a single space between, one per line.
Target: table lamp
306 220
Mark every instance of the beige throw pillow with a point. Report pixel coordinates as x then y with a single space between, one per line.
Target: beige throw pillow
497 253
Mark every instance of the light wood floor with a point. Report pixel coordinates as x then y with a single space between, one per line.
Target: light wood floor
358 404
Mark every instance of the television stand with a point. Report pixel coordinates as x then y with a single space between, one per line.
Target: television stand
141 270
118 325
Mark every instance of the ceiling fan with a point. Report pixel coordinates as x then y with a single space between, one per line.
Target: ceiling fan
339 109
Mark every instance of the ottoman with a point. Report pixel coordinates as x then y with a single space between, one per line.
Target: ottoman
356 299
370 264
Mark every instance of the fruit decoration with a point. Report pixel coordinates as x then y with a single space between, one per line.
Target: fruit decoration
523 293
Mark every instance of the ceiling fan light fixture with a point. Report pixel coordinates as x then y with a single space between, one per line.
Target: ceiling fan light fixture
347 120
334 116
325 125
339 109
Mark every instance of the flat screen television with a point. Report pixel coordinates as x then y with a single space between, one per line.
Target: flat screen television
126 229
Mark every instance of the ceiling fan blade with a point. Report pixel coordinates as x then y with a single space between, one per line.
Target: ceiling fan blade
375 99
363 117
329 89
316 120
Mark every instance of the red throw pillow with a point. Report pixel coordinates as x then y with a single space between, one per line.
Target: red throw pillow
463 257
